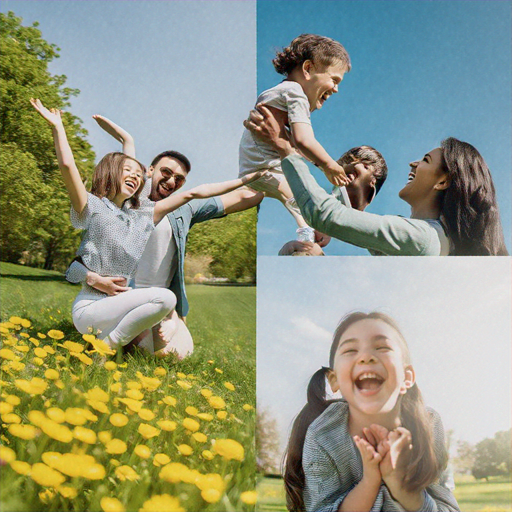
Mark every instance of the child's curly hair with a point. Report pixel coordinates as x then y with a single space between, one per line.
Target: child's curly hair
318 49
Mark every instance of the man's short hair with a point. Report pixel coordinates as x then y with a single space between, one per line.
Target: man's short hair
172 154
368 156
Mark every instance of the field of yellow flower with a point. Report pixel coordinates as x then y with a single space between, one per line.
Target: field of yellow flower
85 429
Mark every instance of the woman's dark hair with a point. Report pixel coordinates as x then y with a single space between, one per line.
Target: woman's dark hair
424 467
469 209
106 180
318 49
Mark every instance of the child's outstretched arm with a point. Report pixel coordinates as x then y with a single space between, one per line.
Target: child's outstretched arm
72 179
314 151
174 201
363 495
118 133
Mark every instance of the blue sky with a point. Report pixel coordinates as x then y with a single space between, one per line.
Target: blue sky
454 314
421 71
177 75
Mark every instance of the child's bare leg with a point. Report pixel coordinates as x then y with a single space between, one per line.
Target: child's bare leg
178 339
284 194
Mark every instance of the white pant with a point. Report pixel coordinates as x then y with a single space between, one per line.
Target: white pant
122 317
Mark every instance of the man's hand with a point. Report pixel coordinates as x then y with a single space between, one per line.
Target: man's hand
263 124
109 285
306 248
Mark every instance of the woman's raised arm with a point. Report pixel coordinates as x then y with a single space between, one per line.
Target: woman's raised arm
171 203
118 133
72 179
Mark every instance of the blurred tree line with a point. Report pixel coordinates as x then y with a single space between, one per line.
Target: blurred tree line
489 457
35 229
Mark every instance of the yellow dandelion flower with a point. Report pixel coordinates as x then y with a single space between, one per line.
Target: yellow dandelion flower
160 459
183 384
59 384
85 359
200 437
247 407
191 411
38 361
167 425
34 341
118 419
218 370
60 358
211 481
99 346
51 374
133 405
146 414
6 454
89 415
185 449
17 366
111 505
229 449
222 415
132 384
211 361
54 334
229 386
161 502
147 431
7 353
169 400
11 418
206 416
75 416
85 435
58 432
142 451
216 402
110 365
47 495
115 447
23 431
104 436
13 399
37 418
72 346
181 375
49 349
51 459
36 386
5 408
98 406
207 454
134 394
149 383
211 495
97 394
176 472
114 462
41 335
67 492
40 352
94 472
46 476
24 335
249 497
126 473
22 468
117 375
207 393
116 387
191 424
16 320
159 372
25 323
22 348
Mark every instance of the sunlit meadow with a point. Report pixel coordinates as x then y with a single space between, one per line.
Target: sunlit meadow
84 428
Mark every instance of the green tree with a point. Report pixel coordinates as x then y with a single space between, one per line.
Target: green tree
231 242
28 144
488 460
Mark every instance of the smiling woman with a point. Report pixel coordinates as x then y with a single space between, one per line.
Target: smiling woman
451 193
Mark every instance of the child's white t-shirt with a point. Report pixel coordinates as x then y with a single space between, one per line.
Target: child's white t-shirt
255 154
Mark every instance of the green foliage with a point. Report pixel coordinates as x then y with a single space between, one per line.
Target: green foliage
492 456
29 151
231 242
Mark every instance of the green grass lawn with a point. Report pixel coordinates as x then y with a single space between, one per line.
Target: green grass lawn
222 323
472 495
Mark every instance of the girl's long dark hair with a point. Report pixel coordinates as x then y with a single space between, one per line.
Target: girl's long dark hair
469 209
425 465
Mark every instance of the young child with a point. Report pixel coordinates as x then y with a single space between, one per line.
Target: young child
115 236
377 449
314 67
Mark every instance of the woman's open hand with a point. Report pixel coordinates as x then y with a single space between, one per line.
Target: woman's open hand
52 116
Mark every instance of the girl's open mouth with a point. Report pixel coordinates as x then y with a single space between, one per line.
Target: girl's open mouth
369 382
